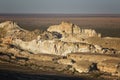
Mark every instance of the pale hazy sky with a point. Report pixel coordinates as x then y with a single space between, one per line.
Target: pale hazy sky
60 6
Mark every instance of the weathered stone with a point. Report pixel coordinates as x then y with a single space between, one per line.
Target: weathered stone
14 51
83 66
7 40
9 26
65 61
13 31
63 27
56 47
43 57
21 62
23 47
50 35
108 51
70 28
110 66
46 65
90 57
69 38
4 58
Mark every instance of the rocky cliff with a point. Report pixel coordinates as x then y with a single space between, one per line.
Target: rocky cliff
65 47
12 30
69 28
59 39
55 47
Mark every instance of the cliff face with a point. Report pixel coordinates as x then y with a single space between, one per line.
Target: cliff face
60 40
9 26
69 28
12 30
55 47
66 44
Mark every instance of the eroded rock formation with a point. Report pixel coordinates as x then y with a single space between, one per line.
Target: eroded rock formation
72 29
63 43
11 29
56 47
61 40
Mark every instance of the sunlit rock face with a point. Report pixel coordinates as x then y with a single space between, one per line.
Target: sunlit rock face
59 39
66 45
83 66
72 29
56 47
65 27
111 66
10 29
10 25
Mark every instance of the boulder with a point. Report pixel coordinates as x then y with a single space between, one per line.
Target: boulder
4 57
110 66
65 61
84 66
57 47
96 58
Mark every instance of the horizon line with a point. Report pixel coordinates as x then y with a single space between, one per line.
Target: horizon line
68 13
59 15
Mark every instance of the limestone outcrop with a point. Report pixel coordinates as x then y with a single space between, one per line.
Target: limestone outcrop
10 29
62 47
10 26
58 47
60 40
55 47
72 29
111 66
103 63
84 66
75 62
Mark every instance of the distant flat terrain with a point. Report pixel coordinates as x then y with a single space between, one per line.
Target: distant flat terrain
108 25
